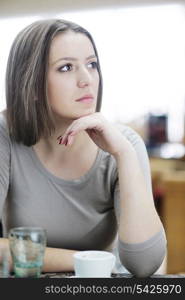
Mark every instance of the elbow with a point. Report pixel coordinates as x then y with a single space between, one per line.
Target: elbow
143 259
147 269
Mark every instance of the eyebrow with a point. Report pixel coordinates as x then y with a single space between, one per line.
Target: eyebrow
72 58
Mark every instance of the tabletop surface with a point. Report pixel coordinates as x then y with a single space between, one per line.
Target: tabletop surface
114 275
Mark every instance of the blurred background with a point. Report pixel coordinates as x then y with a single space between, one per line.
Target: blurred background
141 45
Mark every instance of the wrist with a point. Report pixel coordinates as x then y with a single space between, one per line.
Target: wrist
5 252
125 151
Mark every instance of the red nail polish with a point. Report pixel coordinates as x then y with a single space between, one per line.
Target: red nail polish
60 141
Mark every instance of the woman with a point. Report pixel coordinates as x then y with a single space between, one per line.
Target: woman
61 159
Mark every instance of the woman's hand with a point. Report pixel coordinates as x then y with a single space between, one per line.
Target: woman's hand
103 134
5 252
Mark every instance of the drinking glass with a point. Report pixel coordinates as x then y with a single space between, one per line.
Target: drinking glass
27 247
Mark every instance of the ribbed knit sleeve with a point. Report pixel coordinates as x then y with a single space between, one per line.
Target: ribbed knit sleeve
143 259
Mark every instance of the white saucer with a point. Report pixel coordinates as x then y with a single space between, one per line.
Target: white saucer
86 277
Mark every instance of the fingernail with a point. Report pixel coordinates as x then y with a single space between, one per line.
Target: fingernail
58 138
60 141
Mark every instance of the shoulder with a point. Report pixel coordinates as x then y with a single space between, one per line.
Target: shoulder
3 124
4 133
5 142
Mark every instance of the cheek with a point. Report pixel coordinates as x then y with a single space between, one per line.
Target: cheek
58 89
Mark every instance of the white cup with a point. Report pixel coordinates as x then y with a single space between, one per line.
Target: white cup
93 264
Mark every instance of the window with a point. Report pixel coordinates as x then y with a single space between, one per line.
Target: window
142 53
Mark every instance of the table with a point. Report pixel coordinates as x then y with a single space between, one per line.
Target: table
114 275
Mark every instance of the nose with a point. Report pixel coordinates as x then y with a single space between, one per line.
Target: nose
84 78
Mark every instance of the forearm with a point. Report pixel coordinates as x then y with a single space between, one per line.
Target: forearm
55 259
138 217
5 252
58 260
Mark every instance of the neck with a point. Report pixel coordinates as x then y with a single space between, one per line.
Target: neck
51 146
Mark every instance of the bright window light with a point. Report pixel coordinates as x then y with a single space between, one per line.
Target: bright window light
9 28
142 54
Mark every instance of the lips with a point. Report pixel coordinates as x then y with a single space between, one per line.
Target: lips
86 98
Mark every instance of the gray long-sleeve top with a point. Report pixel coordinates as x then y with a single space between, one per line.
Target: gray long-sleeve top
80 214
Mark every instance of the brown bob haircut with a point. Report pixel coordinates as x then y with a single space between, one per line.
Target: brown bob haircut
29 115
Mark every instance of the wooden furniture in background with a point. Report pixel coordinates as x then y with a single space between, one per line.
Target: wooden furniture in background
173 211
168 180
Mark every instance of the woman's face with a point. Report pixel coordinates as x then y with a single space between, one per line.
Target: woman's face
73 77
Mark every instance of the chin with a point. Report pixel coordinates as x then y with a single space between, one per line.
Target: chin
87 113
74 116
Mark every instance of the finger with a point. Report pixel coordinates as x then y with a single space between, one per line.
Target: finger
66 136
79 126
60 140
84 123
70 140
59 137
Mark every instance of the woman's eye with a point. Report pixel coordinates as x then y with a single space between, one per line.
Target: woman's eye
65 68
93 65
